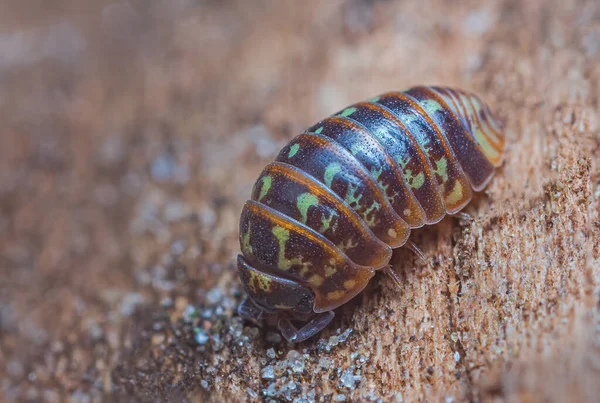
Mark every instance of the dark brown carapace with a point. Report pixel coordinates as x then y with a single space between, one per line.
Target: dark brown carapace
325 216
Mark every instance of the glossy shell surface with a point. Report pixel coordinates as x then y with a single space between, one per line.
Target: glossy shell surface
326 214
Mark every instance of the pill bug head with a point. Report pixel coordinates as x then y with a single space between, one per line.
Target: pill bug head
272 294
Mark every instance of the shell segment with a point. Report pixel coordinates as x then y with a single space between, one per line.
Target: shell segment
453 183
374 157
285 248
477 120
321 215
299 196
410 159
471 158
340 171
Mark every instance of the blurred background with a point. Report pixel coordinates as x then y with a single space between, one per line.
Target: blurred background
132 132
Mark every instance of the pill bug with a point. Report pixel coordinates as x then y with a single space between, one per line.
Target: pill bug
326 214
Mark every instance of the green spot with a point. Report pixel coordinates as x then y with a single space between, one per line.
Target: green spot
331 170
374 99
383 187
376 173
355 148
304 201
319 130
441 168
347 112
431 106
266 185
415 182
352 196
326 222
403 163
293 150
371 221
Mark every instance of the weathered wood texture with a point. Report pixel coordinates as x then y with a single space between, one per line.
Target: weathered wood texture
132 134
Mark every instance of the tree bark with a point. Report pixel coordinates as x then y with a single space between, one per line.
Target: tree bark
123 181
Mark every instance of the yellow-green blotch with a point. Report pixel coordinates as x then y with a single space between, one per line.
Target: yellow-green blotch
372 221
266 185
347 112
283 235
352 196
431 106
264 282
326 222
246 247
456 194
416 181
400 160
304 202
293 150
330 172
441 168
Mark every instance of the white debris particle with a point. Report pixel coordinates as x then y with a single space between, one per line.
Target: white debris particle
268 372
295 361
271 353
298 366
214 296
204 384
189 314
457 356
251 393
270 391
339 398
348 379
325 362
342 338
201 337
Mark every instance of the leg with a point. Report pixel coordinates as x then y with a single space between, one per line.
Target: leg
314 326
415 249
247 310
388 270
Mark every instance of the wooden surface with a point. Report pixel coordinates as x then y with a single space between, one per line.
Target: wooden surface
132 134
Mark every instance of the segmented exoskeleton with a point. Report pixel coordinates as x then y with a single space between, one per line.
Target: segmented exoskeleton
325 216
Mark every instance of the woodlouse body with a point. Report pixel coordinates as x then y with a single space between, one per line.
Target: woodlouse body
325 216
